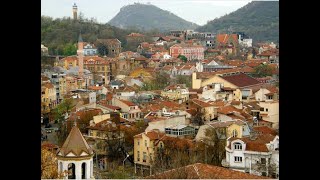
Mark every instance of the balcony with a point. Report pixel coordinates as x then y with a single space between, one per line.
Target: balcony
224 163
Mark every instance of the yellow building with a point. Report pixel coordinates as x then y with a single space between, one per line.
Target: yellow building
270 112
145 149
48 97
234 128
176 92
209 111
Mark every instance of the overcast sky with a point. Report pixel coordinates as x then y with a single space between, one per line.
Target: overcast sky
197 11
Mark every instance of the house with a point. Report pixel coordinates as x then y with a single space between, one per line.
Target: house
89 49
48 97
209 112
149 143
129 110
44 50
163 122
116 84
203 171
191 52
240 81
176 92
180 130
113 46
145 148
266 94
125 93
229 43
216 91
269 111
59 81
256 154
234 128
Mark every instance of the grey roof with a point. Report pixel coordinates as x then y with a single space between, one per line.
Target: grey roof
115 82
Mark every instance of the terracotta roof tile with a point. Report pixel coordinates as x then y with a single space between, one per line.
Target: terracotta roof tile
258 144
241 80
129 103
201 103
203 171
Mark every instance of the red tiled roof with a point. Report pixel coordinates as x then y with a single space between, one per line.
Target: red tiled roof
223 38
48 85
235 103
201 103
95 88
241 80
217 103
109 41
265 130
204 171
259 144
129 103
153 135
227 109
112 107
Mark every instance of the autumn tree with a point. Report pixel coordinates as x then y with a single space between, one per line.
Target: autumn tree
49 165
215 143
183 79
197 119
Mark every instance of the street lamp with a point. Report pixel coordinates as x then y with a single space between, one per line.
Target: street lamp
124 161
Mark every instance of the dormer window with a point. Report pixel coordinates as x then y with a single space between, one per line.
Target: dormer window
237 146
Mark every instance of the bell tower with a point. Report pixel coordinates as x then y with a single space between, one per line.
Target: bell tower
75 11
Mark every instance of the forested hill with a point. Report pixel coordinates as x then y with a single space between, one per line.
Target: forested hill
61 35
258 19
149 17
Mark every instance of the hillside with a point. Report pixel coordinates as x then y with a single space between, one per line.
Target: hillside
61 35
149 17
258 19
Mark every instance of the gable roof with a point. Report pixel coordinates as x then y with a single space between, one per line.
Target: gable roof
75 143
223 38
204 171
258 144
201 103
241 80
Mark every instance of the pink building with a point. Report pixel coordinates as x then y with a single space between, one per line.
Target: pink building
189 51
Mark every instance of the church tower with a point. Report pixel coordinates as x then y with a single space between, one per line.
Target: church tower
76 156
80 56
75 11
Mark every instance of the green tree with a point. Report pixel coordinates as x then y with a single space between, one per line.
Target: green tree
70 49
180 79
263 70
183 58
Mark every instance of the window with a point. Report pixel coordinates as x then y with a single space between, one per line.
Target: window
138 155
263 160
234 133
237 146
138 142
269 97
145 143
267 109
261 109
237 159
144 157
161 145
264 174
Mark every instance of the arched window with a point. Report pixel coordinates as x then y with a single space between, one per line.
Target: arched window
237 146
83 170
71 171
61 167
234 133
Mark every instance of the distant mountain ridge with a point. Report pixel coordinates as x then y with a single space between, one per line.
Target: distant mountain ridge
257 19
149 17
